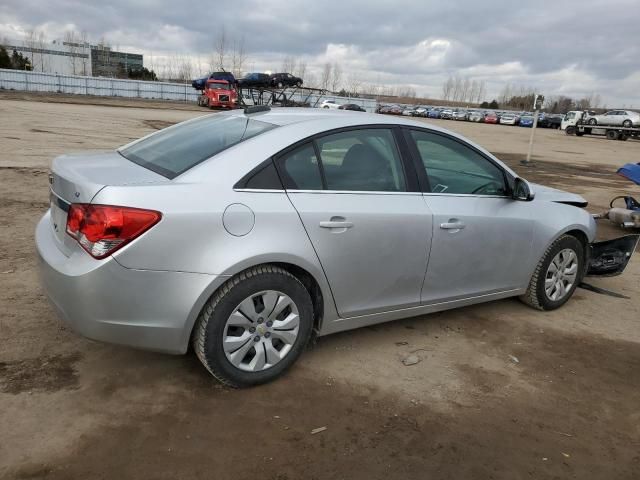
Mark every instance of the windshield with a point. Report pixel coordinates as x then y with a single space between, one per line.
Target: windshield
218 85
175 150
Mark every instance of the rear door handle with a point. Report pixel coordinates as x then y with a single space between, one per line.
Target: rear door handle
336 224
452 226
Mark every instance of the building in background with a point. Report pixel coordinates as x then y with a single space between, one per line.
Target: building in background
106 62
77 58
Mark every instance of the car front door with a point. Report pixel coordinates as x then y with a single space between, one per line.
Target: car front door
481 236
366 219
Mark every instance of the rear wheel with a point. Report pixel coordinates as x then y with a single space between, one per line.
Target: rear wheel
593 121
254 327
612 135
299 84
627 124
557 274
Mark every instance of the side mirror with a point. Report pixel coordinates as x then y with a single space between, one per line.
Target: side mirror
522 190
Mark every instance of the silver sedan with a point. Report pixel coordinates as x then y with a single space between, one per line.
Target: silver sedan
616 118
245 233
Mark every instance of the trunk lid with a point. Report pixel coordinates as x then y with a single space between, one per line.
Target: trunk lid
78 178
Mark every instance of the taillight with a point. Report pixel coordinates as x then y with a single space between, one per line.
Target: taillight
103 229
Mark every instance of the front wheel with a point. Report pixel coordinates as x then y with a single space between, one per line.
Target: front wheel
627 124
254 327
557 274
593 121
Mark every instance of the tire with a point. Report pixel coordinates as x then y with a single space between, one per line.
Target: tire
627 124
279 85
593 121
212 328
570 130
623 137
579 134
536 295
299 84
612 135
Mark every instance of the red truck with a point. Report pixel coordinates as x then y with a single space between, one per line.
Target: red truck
218 94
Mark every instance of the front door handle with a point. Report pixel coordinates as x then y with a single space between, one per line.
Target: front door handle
336 224
452 226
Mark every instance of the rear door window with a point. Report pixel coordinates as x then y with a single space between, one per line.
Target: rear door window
362 160
300 169
176 149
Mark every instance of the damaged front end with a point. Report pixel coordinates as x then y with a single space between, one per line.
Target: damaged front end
610 257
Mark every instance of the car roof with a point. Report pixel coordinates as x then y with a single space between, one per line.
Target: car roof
296 124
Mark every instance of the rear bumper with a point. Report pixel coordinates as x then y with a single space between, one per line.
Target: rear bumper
102 300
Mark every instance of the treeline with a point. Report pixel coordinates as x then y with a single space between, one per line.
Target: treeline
458 89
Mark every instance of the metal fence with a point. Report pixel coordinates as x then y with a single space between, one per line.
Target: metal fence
114 87
109 87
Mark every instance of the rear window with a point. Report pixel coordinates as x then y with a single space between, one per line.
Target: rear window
175 150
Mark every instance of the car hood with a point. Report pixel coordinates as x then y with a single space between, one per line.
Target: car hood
549 194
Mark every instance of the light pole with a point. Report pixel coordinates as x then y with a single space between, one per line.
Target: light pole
537 105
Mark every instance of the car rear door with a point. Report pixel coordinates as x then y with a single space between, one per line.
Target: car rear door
481 237
365 217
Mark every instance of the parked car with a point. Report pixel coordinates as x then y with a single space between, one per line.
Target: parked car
550 120
409 111
255 80
351 106
491 117
281 80
434 113
446 114
622 118
230 232
509 119
476 116
421 111
330 104
219 94
526 121
200 83
460 115
395 110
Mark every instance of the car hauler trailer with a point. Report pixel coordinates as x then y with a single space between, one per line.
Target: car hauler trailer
575 123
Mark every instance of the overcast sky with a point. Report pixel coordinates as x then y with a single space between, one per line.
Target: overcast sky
559 47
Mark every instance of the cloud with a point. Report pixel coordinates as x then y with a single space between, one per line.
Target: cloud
571 47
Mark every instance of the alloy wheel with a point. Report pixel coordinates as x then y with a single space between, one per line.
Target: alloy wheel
261 331
561 275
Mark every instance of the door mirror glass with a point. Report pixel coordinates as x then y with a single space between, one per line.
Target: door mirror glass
522 190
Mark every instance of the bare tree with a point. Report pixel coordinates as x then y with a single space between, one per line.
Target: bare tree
447 88
220 51
482 91
464 93
71 42
457 89
238 57
288 64
336 77
301 69
354 84
325 76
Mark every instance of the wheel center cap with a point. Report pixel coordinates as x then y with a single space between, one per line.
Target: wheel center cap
261 329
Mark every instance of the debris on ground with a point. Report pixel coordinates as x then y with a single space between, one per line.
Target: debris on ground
318 430
399 344
514 359
411 360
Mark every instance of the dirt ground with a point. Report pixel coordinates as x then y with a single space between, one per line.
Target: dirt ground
500 392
